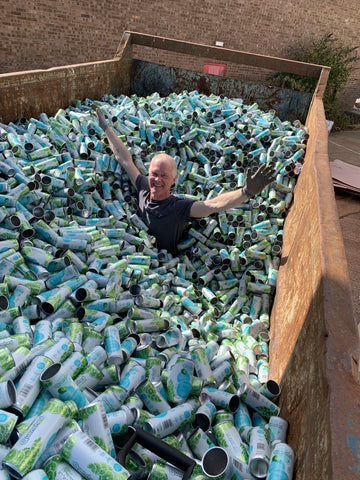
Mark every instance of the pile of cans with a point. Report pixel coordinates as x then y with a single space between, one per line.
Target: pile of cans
101 334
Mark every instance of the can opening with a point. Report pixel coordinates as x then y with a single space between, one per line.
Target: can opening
15 221
80 313
38 212
80 294
50 372
215 462
234 403
28 233
46 307
273 387
49 216
4 302
202 421
46 180
258 467
14 472
11 391
135 289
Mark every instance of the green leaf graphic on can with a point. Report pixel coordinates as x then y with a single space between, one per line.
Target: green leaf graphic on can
245 454
5 430
57 407
152 394
158 472
99 441
51 466
171 390
86 412
67 448
220 437
267 435
265 412
25 458
105 472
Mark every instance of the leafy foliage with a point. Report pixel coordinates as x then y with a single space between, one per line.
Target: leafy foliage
330 52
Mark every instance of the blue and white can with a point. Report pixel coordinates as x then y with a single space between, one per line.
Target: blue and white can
113 345
282 462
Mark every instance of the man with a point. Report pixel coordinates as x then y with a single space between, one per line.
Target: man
165 214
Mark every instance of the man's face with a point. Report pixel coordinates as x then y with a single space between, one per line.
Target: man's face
161 178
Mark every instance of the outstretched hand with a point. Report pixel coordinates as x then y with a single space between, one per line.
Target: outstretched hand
101 118
255 183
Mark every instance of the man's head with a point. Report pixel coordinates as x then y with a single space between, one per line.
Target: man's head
162 175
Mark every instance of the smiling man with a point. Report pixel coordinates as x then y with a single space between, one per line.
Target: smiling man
165 214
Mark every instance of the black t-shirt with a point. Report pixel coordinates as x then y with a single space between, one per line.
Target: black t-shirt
166 219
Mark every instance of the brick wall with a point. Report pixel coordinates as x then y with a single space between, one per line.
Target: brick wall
46 33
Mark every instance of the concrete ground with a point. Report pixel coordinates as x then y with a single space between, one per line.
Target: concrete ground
345 146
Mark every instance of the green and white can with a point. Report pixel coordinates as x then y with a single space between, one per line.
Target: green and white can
258 402
74 364
57 469
28 387
202 366
57 443
217 463
164 471
59 383
27 450
120 420
113 398
90 376
95 424
152 399
7 423
221 398
6 360
168 422
132 377
259 452
227 436
90 460
200 442
205 415
60 351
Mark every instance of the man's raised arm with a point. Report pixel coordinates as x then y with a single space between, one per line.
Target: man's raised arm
122 154
253 185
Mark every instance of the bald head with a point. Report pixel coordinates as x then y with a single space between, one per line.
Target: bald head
162 176
164 159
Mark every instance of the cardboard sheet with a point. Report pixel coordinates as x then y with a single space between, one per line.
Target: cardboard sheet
345 176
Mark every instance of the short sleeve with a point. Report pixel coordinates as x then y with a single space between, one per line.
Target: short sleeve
141 183
182 209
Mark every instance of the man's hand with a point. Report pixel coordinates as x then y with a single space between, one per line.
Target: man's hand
101 118
255 183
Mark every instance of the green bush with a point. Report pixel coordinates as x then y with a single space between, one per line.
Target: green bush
330 52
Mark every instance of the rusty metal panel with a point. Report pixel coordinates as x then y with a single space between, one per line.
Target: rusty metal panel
27 94
147 78
226 54
314 350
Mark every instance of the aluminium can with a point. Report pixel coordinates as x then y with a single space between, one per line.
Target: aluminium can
90 460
